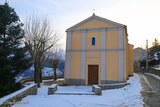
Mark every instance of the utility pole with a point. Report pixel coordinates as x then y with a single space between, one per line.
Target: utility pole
146 55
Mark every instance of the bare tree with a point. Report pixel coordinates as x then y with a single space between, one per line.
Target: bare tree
39 38
54 59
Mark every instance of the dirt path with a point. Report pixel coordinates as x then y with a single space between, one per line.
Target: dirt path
151 90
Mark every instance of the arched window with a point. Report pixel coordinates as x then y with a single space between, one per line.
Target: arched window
93 41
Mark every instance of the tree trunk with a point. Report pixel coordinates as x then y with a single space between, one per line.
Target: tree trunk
35 70
38 74
55 75
38 77
41 76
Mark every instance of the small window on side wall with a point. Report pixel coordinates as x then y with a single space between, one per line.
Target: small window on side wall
93 41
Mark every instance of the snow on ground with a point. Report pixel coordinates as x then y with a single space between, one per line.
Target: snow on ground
156 76
128 96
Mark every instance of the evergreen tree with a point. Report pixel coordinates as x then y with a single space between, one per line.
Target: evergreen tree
13 56
155 43
155 47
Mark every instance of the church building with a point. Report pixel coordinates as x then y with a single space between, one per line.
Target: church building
97 52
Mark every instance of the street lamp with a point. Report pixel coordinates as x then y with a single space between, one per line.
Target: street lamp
146 55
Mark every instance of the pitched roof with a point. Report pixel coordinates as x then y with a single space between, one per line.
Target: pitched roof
97 18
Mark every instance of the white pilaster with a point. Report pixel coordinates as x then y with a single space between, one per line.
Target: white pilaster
83 55
121 55
103 54
127 56
68 59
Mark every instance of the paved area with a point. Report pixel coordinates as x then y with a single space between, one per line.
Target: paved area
151 90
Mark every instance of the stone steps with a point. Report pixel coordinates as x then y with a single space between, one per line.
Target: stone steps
113 86
75 93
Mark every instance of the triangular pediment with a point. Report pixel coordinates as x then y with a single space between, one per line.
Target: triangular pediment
94 22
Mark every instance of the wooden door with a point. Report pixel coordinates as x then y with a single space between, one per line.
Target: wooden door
92 74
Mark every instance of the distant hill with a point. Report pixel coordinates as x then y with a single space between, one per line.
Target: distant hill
46 71
60 65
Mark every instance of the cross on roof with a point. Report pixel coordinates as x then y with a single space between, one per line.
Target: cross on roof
94 11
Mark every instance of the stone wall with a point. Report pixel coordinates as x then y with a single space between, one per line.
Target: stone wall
52 89
113 86
96 89
15 97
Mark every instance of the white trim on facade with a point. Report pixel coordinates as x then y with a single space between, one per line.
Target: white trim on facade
103 55
68 59
98 29
127 70
120 56
95 50
83 55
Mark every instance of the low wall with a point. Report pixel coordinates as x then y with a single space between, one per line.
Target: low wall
15 97
52 89
96 89
24 80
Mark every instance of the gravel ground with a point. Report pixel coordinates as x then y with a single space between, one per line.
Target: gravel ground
151 90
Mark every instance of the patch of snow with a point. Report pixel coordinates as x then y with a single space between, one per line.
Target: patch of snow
47 71
96 86
3 99
53 85
32 68
157 67
18 78
60 79
156 56
22 45
11 55
47 80
128 96
156 76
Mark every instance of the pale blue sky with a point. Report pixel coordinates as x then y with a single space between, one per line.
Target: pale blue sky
142 17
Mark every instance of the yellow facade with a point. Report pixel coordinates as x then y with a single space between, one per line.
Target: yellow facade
112 66
108 57
75 62
76 39
94 24
130 59
112 41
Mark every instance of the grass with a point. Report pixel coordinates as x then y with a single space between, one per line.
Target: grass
154 71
